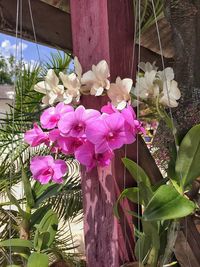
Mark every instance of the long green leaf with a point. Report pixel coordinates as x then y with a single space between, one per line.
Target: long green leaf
37 216
188 159
48 224
27 187
137 172
51 191
130 193
168 204
38 259
15 202
16 242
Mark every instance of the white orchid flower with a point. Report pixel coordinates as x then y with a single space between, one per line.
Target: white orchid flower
119 92
51 88
170 94
72 83
146 87
166 74
78 68
147 66
97 78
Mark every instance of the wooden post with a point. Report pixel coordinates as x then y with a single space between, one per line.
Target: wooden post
103 29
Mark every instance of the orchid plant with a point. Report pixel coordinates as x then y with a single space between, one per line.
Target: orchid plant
91 136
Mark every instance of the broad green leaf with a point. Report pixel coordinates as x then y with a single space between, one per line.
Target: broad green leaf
145 193
187 163
38 259
50 191
148 244
48 224
152 230
13 265
171 173
42 240
142 247
37 216
15 202
16 242
27 187
168 204
130 193
39 188
137 172
159 183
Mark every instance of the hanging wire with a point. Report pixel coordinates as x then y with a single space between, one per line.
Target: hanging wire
13 122
125 147
137 138
163 66
34 31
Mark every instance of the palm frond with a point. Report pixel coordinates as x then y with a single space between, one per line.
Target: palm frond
58 62
146 18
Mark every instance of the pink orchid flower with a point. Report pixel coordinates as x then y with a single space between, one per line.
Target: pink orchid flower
107 132
132 125
74 123
109 109
86 155
45 169
50 117
35 136
67 145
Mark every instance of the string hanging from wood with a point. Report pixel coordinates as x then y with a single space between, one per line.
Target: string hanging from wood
13 122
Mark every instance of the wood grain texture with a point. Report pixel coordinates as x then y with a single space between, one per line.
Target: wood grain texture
104 30
52 25
92 30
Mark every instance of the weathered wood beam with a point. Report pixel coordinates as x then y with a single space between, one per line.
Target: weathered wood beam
52 25
51 20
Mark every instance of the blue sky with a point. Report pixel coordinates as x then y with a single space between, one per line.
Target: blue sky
29 49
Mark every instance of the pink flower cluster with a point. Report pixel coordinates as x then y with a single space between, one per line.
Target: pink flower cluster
89 135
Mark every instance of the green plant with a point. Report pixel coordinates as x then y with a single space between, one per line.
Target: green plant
30 229
146 18
165 203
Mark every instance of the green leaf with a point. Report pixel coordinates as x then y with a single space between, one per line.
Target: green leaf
142 247
167 204
187 164
37 216
27 187
159 183
137 172
145 193
51 191
48 224
38 259
39 188
16 242
130 193
148 244
172 163
151 231
15 202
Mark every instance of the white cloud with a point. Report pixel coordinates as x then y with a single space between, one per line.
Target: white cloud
7 49
6 44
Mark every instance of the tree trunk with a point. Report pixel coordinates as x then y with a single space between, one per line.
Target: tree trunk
184 17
